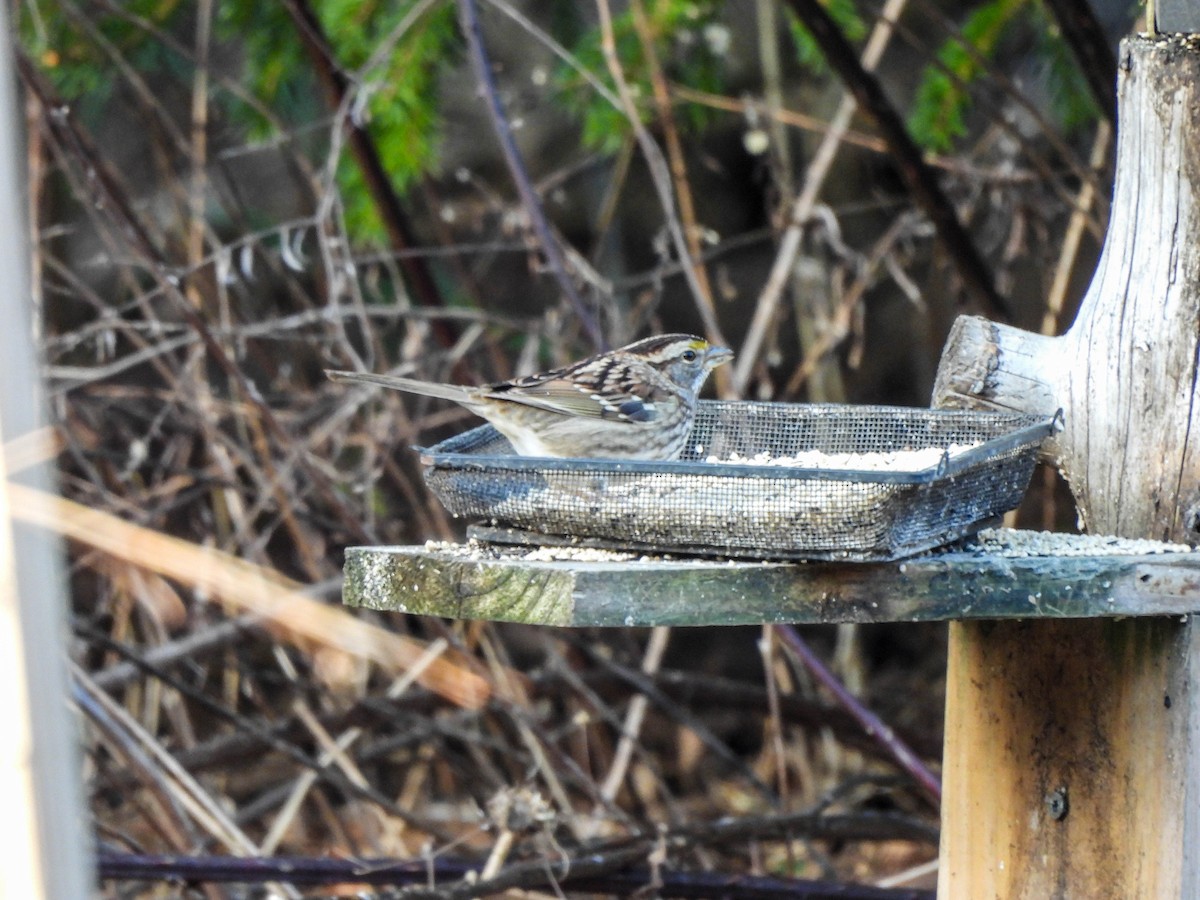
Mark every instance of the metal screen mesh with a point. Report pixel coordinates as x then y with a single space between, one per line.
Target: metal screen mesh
757 511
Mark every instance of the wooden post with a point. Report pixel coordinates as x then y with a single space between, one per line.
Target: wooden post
1071 764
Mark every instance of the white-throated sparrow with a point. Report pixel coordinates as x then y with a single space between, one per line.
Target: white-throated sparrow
636 402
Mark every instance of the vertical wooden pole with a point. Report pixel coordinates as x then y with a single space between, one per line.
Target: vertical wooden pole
42 851
1070 765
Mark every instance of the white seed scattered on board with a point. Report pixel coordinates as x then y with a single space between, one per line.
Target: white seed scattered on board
576 554
1014 543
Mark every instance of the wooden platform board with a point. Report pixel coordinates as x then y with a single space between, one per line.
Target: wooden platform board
1086 577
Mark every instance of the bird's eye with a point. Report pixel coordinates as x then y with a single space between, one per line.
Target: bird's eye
689 355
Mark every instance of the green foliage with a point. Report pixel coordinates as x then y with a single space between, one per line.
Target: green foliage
943 98
80 48
400 88
691 43
944 94
808 52
1071 101
75 50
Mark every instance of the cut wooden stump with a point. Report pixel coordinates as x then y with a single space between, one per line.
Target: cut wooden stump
1127 372
1071 764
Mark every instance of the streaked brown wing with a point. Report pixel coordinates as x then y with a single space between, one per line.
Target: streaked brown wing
571 398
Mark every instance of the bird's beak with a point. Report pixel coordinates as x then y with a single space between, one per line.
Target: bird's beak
718 356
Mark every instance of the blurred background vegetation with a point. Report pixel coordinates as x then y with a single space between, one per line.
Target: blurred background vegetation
225 198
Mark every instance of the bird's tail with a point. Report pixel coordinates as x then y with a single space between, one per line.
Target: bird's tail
399 383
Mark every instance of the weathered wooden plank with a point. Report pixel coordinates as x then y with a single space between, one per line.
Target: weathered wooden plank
461 583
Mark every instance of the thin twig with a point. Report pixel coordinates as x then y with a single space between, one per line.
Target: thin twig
199 804
1056 296
191 647
469 16
253 736
366 153
1085 36
675 159
610 870
661 177
773 726
74 146
247 588
871 723
814 180
917 176
766 15
634 716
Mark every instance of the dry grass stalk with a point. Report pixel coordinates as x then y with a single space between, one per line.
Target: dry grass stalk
242 586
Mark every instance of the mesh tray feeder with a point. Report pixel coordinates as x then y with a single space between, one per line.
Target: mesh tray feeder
740 509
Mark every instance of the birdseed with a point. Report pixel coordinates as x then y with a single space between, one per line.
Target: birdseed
881 461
